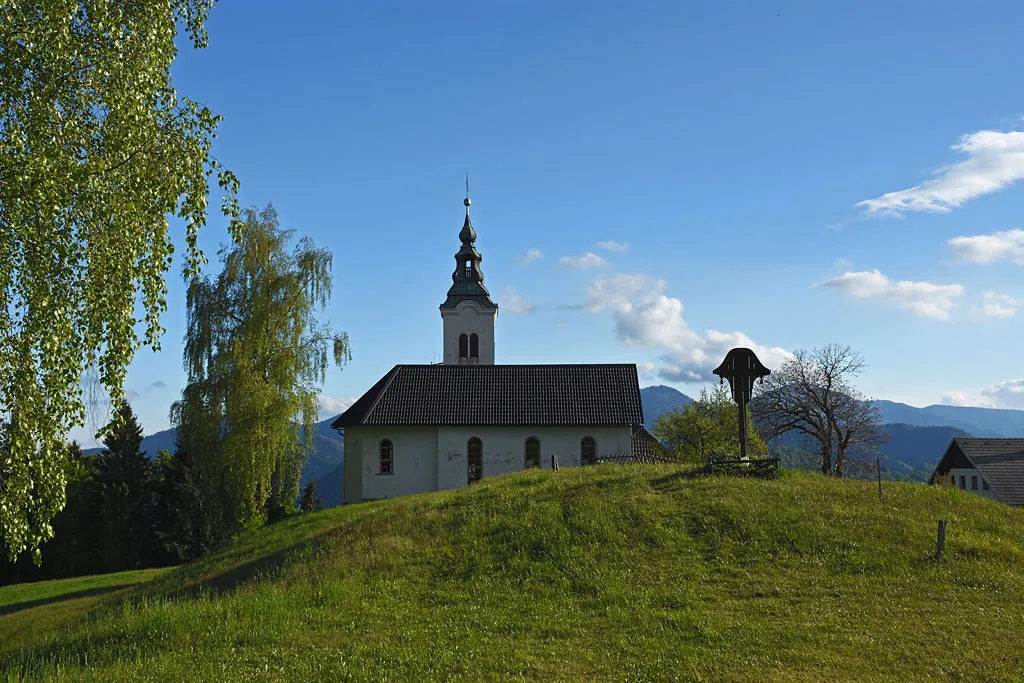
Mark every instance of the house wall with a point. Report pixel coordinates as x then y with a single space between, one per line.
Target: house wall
956 472
469 318
433 458
352 486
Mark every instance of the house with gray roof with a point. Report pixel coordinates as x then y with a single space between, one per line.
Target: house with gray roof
993 468
444 426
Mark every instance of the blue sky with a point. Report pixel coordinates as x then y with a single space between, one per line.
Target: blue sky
864 156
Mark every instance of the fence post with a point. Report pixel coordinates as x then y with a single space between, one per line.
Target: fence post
940 542
878 469
554 462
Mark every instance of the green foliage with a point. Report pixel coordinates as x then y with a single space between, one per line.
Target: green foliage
256 357
310 501
707 427
605 573
97 149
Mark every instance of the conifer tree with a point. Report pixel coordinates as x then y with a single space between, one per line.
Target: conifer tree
310 501
181 525
124 498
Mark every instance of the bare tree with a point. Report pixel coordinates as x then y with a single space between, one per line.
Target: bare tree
812 394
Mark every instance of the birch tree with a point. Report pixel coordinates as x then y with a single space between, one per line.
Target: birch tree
256 356
97 150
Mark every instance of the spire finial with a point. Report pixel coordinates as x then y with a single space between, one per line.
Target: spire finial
467 202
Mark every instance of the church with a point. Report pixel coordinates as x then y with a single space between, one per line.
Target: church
446 425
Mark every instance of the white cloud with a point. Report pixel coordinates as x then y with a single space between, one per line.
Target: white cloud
997 311
612 245
1000 305
958 398
646 370
1004 298
994 160
999 246
513 302
530 256
331 406
1008 394
920 298
585 262
645 316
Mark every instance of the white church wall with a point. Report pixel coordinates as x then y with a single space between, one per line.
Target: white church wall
504 448
468 318
415 461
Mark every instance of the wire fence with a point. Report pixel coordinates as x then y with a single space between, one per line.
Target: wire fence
623 458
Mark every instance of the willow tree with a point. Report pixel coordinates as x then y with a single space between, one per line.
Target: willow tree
256 356
96 151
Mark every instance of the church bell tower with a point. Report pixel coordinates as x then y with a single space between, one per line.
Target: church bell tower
468 312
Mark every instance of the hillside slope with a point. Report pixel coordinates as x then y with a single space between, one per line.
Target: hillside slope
982 422
606 573
661 399
910 452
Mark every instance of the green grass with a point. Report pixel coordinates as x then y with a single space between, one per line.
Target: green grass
608 573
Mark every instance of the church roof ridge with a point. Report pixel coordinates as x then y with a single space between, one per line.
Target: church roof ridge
580 394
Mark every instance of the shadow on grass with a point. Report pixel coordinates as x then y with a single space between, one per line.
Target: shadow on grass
62 597
80 647
182 583
687 473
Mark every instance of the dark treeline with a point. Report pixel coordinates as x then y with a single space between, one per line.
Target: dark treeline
127 511
124 511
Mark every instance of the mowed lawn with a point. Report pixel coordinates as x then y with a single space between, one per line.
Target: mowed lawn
607 573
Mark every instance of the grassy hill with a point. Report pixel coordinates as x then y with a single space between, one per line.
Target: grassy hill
608 573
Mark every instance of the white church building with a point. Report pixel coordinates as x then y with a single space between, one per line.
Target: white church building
444 426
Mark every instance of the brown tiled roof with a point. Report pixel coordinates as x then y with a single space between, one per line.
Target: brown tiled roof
1000 461
646 447
501 395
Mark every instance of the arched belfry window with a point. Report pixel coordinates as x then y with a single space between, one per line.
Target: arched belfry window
463 346
532 457
475 459
474 346
588 451
387 457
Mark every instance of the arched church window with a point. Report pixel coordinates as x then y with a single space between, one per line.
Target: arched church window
469 269
532 458
463 346
475 459
474 346
588 451
387 457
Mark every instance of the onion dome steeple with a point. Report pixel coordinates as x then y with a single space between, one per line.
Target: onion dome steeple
468 278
